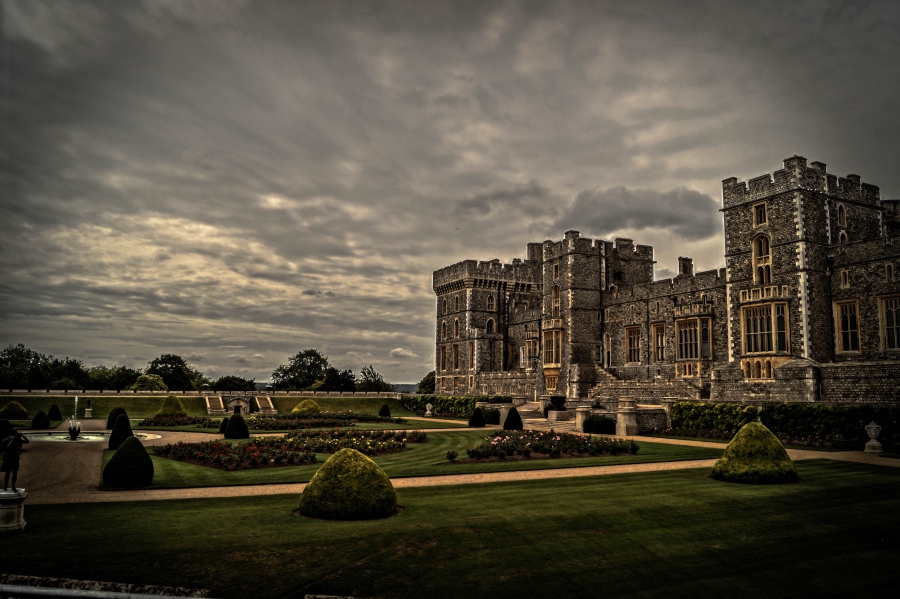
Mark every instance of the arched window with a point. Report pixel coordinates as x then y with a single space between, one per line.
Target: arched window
758 371
555 301
889 272
457 304
443 307
843 238
456 328
762 260
842 216
657 307
490 326
768 369
747 370
443 330
490 302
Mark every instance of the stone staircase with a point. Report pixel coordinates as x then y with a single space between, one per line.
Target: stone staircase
610 388
533 419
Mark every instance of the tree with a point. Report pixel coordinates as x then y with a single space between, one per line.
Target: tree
302 370
70 372
231 382
338 380
111 377
369 380
175 372
426 385
149 382
24 368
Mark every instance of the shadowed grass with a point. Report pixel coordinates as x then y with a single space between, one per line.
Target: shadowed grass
420 459
662 534
363 405
409 425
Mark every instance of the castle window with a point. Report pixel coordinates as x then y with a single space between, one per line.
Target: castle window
552 347
762 260
456 329
633 344
555 301
471 381
890 319
456 357
490 302
659 343
757 329
456 382
598 353
768 369
443 362
471 355
657 307
443 330
845 279
759 215
443 307
490 327
781 327
556 271
847 325
456 304
842 216
705 347
551 382
607 348
889 272
703 298
842 239
687 332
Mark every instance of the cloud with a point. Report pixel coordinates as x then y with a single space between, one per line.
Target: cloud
531 198
403 354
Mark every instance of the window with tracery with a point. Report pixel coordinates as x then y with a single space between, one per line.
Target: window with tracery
762 260
555 301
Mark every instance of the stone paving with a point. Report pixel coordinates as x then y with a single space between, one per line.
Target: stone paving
55 473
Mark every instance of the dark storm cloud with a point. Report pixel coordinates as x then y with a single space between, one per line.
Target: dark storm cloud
686 213
181 177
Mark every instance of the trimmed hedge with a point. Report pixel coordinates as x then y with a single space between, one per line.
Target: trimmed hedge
40 420
349 486
385 411
755 456
307 406
832 426
491 416
237 428
223 426
130 467
722 417
449 405
513 421
599 424
54 413
476 420
114 415
121 430
172 406
13 411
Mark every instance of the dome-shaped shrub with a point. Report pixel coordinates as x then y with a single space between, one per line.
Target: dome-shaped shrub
237 428
307 406
477 418
13 411
755 456
40 420
349 486
54 413
114 415
513 421
385 411
130 467
172 406
121 430
223 426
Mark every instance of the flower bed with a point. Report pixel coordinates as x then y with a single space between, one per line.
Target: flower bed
547 444
314 420
197 421
293 449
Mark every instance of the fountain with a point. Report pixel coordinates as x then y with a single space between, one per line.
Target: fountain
74 425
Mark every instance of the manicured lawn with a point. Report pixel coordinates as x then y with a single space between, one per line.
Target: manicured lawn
409 425
420 459
364 405
726 441
662 534
137 407
26 424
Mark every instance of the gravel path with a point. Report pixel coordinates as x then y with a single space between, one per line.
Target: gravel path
55 473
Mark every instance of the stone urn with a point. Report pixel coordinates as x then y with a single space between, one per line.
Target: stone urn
428 413
873 446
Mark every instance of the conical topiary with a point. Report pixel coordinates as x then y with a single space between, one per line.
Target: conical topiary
755 456
40 420
349 486
385 411
130 467
223 426
13 411
121 430
237 428
513 421
172 406
307 406
114 415
54 413
477 418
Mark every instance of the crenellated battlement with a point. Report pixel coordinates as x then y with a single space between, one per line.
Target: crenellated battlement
797 175
494 270
573 243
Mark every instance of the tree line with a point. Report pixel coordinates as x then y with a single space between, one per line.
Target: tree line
25 368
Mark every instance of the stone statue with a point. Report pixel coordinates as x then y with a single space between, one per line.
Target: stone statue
10 448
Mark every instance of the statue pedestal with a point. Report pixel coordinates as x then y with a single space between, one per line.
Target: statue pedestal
88 413
12 510
874 446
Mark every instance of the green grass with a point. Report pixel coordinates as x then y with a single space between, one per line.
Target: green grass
137 407
420 459
726 441
26 424
364 405
661 534
410 425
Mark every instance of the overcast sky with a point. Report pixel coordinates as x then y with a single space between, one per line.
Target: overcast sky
237 181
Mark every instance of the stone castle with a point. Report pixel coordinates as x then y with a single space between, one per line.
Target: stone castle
807 307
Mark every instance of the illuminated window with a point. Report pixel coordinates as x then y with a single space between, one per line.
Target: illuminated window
847 326
633 344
